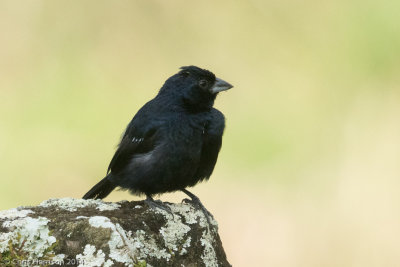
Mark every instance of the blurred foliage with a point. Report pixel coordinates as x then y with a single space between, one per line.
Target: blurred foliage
312 132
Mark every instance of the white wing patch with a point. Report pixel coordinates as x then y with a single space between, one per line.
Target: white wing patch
137 140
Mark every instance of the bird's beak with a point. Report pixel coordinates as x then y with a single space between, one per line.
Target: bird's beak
220 85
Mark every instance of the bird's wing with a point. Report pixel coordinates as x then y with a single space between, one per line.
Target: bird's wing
209 156
212 141
132 143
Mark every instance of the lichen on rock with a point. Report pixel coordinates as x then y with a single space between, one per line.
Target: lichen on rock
14 213
27 238
72 204
91 258
96 233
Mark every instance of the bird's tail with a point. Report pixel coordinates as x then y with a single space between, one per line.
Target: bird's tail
101 189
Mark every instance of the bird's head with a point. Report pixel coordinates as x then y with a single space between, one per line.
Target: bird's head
195 87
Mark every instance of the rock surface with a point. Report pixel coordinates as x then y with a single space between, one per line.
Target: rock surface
77 232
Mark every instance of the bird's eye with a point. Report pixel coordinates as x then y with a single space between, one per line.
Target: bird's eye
203 83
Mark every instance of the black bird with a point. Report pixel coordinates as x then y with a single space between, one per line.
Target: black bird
172 142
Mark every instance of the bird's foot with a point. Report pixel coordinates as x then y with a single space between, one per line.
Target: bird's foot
158 204
195 200
186 200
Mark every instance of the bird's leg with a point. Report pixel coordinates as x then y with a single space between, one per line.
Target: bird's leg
154 204
197 201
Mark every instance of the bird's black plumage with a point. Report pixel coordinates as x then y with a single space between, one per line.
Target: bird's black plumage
173 141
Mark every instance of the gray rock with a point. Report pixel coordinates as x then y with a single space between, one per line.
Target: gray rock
77 232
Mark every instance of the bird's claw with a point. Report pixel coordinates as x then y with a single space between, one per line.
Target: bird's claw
206 213
158 204
186 200
196 201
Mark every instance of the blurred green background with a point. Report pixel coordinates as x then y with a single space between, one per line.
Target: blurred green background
309 170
